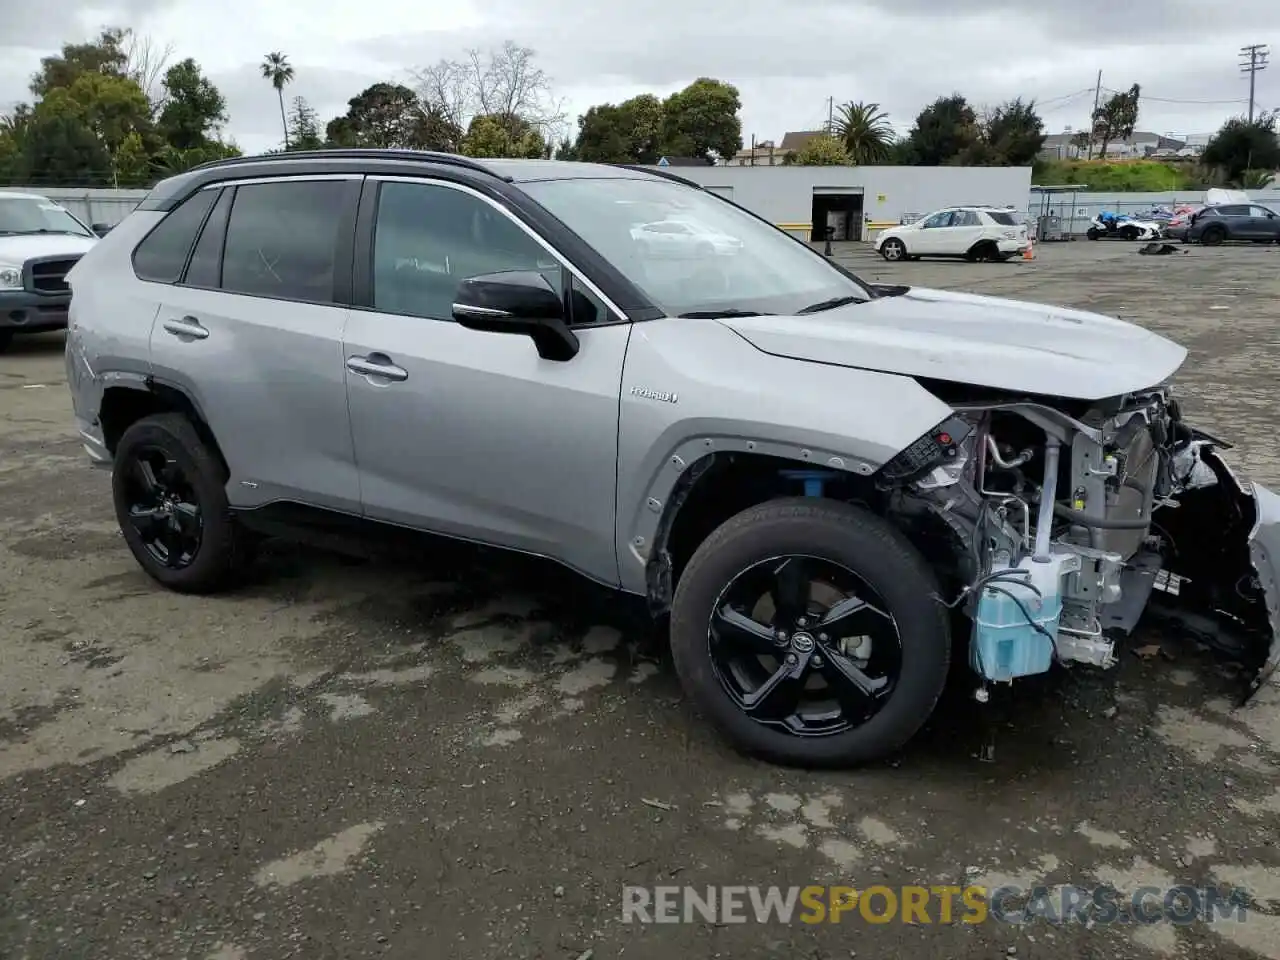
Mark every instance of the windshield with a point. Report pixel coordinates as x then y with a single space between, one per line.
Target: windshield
23 215
691 252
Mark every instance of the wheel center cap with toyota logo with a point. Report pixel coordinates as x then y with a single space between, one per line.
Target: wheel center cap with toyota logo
803 643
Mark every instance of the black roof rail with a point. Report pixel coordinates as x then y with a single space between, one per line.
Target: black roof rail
353 153
658 172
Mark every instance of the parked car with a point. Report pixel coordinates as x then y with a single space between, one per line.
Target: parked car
39 243
812 479
1106 225
1180 223
974 233
682 239
1234 221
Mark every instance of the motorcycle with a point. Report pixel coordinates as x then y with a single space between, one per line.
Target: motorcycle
1119 226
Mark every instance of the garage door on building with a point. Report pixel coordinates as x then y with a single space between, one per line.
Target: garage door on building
837 212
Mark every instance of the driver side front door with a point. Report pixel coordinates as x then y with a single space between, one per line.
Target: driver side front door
931 238
468 433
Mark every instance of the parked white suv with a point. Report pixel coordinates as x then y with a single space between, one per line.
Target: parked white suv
40 242
682 239
975 233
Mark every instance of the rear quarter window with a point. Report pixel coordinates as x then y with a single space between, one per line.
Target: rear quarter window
1002 218
162 255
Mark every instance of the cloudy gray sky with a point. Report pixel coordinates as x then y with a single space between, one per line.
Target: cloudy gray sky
786 56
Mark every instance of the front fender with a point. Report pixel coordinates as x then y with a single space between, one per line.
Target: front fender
694 387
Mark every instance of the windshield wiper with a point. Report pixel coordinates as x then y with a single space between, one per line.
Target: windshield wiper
830 304
722 314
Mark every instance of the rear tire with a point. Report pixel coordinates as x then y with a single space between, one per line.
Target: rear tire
171 504
828 535
984 251
893 250
1213 235
6 338
1093 233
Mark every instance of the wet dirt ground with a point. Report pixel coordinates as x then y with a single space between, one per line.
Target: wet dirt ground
470 757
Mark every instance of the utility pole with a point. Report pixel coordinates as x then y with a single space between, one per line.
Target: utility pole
753 150
1252 59
831 116
1097 98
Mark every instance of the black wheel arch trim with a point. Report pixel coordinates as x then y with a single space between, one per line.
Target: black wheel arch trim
173 397
649 523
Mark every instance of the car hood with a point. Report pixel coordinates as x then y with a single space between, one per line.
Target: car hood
983 341
19 249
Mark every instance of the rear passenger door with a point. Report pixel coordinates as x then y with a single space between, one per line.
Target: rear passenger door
966 229
469 433
252 331
1235 218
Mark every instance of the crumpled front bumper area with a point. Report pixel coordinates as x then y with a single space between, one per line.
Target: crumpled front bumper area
1222 575
1264 553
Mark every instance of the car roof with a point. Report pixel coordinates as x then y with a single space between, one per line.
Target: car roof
530 171
168 193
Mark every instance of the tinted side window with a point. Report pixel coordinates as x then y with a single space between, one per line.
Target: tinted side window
282 239
428 239
163 252
1004 219
1233 211
938 220
965 218
205 268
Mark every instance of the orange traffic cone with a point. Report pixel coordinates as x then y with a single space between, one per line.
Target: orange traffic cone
1030 252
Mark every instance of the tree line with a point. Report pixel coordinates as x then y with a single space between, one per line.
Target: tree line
113 112
116 111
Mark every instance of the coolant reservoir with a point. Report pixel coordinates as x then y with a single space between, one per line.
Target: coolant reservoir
1008 642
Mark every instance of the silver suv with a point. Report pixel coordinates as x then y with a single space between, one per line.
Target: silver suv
824 485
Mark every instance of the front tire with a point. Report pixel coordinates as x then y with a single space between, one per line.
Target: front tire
171 504
807 632
6 338
1093 233
893 250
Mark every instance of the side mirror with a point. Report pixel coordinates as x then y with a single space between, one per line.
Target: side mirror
101 229
517 301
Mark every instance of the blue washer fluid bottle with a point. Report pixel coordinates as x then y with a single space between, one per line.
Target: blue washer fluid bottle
1005 644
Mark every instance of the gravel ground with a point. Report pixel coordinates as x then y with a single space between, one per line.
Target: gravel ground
464 759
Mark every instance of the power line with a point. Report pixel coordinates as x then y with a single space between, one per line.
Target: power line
1204 103
1252 59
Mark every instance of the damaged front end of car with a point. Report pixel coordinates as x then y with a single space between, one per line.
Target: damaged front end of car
1069 521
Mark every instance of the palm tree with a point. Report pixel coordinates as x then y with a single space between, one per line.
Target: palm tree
277 69
864 130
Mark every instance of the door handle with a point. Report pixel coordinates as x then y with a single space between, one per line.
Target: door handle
377 365
186 327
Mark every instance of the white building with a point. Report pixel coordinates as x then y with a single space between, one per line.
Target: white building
807 200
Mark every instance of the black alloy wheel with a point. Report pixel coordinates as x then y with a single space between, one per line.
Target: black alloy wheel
804 645
169 491
162 507
804 630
